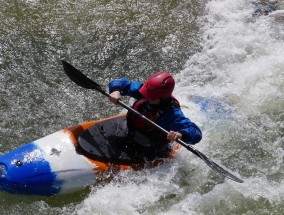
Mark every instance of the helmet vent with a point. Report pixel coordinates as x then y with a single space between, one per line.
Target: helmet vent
165 80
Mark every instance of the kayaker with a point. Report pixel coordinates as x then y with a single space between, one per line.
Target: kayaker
154 99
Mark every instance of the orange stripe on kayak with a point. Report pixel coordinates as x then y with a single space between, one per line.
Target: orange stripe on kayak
100 166
104 167
75 131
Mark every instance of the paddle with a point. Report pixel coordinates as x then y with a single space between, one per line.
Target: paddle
80 79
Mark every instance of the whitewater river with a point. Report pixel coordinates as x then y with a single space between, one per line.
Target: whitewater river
229 71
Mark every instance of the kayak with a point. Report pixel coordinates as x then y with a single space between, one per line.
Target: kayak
76 157
70 159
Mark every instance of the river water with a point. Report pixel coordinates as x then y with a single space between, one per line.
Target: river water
229 71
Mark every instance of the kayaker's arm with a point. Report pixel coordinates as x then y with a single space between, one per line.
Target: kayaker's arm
174 135
126 87
174 120
115 96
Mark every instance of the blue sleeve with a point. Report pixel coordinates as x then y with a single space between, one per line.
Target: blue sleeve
174 120
126 87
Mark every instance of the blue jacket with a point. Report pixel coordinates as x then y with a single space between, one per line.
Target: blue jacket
172 120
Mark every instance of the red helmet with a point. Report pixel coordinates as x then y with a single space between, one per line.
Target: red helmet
159 85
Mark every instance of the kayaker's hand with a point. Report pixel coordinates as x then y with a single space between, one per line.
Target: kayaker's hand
173 135
114 97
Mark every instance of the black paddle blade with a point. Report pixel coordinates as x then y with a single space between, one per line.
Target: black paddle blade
213 165
79 78
219 169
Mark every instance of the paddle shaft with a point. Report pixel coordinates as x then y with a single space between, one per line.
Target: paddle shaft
80 79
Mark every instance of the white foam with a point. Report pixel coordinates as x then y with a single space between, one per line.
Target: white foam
242 64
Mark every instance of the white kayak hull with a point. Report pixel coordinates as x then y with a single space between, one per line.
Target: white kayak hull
52 165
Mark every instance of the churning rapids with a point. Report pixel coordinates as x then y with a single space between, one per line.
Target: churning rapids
217 52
